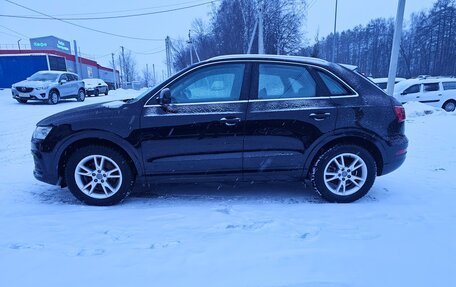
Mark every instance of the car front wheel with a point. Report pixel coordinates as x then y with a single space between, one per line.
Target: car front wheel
99 175
344 173
81 96
53 98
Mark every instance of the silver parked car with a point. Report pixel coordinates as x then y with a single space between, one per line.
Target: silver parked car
49 86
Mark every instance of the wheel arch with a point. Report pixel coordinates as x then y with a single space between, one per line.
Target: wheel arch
102 139
371 143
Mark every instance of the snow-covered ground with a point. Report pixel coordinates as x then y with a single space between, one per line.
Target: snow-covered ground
402 234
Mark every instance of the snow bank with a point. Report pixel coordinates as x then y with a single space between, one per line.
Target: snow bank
417 109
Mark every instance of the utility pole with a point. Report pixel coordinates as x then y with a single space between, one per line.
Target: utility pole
114 71
334 34
147 75
123 66
190 47
249 50
153 71
396 45
260 30
168 55
76 57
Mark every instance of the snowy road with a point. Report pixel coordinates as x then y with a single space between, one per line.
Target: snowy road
402 234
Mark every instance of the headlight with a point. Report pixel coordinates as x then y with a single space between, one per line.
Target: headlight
41 88
41 133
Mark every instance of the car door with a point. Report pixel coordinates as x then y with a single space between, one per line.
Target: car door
288 110
431 94
64 86
201 131
410 94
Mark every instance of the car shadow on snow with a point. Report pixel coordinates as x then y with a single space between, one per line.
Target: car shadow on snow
177 193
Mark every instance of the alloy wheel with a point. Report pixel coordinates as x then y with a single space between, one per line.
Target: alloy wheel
345 174
98 176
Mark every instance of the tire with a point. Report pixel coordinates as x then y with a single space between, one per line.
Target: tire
107 91
338 182
21 101
96 93
449 106
92 187
81 96
54 98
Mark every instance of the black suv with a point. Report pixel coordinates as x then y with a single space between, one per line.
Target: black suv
230 118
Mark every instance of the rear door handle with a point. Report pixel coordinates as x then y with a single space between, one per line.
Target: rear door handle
319 116
230 121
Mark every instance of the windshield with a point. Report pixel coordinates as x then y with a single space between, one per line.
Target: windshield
44 77
140 96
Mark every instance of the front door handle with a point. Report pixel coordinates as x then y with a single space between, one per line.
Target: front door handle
230 121
319 116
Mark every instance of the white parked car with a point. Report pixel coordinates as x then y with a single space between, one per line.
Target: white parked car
434 91
49 86
383 82
95 87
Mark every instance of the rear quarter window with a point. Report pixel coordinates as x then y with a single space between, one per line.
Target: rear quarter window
449 85
431 87
334 87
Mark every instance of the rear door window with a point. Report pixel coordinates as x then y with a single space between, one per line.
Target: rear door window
279 81
431 87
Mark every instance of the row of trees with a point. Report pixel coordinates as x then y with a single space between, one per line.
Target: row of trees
231 27
428 44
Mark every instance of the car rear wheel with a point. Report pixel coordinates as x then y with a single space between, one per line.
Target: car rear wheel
449 106
344 173
81 96
22 101
54 98
107 91
99 175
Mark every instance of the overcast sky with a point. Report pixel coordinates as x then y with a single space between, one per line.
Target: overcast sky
175 24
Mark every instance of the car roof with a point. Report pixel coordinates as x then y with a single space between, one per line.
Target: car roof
428 80
258 57
55 72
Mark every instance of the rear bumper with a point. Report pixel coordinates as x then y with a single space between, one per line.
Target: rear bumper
395 154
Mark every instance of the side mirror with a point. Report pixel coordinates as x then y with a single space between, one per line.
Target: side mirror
62 82
164 97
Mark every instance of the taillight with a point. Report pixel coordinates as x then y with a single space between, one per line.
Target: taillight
400 113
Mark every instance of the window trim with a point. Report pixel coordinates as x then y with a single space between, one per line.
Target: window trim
255 61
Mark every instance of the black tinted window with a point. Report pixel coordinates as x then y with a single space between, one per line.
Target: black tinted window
278 81
210 84
412 90
432 87
334 87
449 85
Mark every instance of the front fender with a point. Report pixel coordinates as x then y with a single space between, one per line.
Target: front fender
134 154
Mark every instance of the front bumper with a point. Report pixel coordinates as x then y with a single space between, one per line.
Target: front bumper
46 169
33 95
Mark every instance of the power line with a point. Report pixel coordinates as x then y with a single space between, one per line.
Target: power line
127 10
83 27
14 31
49 17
